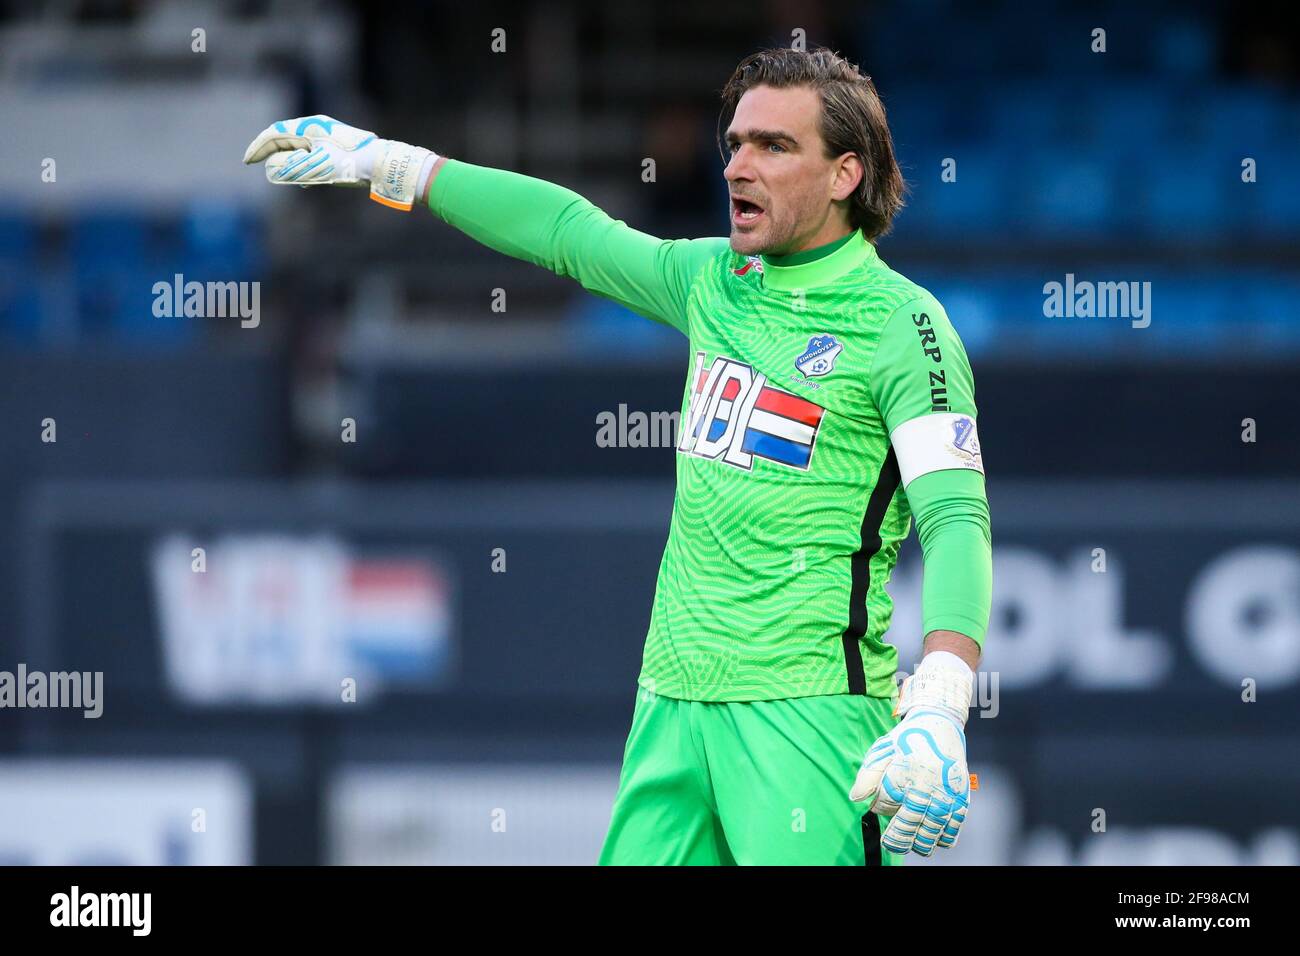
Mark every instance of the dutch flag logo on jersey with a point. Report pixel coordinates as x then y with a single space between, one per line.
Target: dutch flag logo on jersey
735 415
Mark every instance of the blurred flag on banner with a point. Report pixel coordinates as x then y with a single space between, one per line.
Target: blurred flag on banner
279 619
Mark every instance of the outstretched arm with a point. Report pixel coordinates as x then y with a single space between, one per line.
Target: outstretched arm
523 217
556 228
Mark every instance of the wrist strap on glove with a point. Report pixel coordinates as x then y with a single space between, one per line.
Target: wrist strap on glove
943 682
395 180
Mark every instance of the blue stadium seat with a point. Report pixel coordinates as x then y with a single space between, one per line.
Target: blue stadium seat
599 325
1025 115
20 305
1263 313
1184 46
977 199
101 238
1276 206
19 289
1121 117
116 257
1184 193
919 117
1067 192
1245 117
18 237
221 241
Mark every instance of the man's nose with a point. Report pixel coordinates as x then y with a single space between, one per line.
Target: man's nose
738 167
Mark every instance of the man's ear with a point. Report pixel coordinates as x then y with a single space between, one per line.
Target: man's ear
848 176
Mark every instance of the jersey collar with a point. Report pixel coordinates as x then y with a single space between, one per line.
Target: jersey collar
853 253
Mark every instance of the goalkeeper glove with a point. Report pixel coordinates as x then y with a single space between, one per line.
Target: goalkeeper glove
320 151
917 773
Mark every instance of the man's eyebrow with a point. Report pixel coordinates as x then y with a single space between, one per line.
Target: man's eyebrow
762 135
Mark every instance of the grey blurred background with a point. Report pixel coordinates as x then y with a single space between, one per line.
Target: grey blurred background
476 561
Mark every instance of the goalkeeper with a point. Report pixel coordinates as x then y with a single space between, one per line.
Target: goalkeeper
828 401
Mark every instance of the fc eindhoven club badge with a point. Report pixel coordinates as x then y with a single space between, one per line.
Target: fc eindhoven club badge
965 441
819 357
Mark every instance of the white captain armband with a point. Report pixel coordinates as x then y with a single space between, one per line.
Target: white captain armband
939 441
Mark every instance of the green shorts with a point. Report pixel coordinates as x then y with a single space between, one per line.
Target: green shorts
760 782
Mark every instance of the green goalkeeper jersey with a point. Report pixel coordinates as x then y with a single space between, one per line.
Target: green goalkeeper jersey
816 393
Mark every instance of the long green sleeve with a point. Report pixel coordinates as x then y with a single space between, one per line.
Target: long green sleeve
952 523
554 227
920 369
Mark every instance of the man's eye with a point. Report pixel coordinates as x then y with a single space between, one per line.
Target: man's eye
776 147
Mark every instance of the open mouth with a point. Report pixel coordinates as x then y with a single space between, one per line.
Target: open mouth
744 212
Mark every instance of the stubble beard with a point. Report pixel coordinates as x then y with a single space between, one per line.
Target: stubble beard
766 240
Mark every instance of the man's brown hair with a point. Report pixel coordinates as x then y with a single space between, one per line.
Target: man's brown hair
852 121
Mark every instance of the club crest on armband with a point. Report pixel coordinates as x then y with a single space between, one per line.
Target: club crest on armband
965 440
819 357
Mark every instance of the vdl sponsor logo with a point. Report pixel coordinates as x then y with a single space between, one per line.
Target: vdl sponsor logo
75 908
735 416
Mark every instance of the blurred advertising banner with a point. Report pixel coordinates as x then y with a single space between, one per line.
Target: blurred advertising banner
124 812
1138 613
278 619
478 815
543 589
1132 588
1138 701
547 814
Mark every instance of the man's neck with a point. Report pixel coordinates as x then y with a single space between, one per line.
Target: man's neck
810 254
